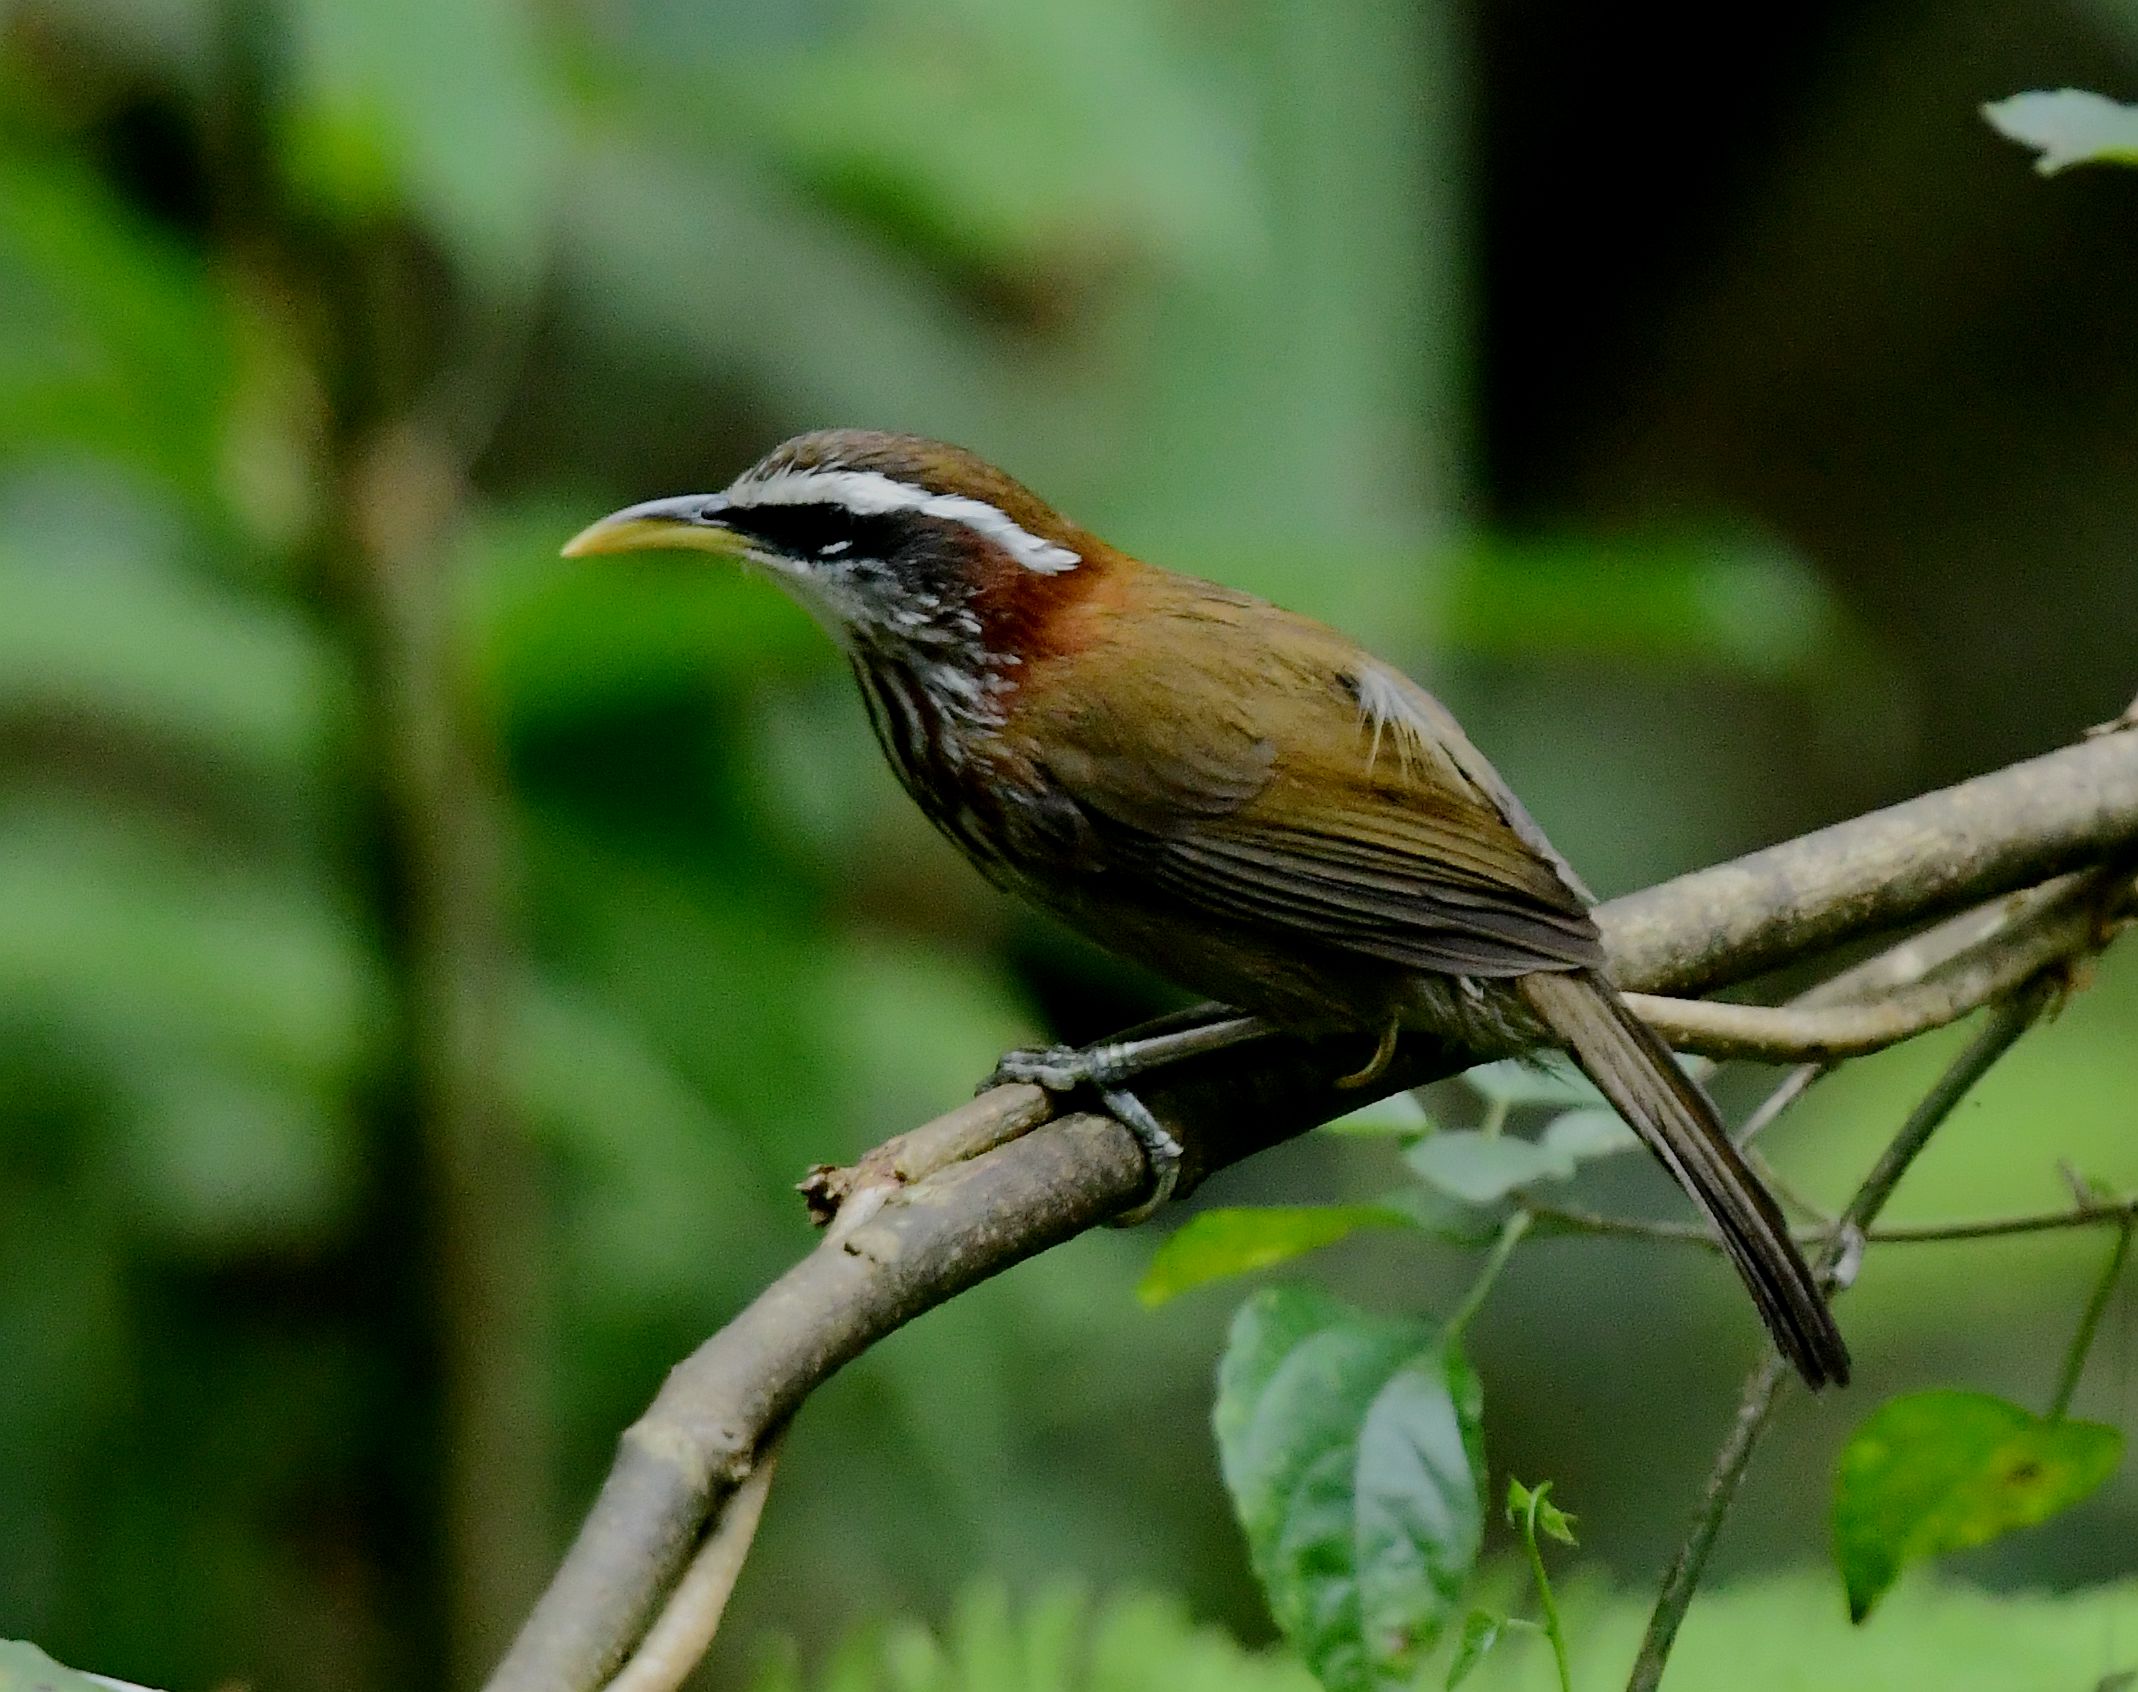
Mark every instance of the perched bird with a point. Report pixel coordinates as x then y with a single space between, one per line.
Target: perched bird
1240 798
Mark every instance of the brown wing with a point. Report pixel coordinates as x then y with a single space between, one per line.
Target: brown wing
1309 789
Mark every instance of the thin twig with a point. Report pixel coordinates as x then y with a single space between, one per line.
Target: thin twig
1572 1219
1756 1405
1510 1236
2104 1288
683 1631
1793 1087
1824 1032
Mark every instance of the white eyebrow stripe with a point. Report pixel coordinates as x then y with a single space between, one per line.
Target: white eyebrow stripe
869 493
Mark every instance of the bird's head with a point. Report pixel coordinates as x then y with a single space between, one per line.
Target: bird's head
891 541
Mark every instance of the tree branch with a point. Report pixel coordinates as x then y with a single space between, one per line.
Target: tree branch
2074 921
1997 1037
940 1219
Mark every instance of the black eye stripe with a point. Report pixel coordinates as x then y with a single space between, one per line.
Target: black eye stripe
822 530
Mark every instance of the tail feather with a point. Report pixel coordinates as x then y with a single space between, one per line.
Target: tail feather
1675 1120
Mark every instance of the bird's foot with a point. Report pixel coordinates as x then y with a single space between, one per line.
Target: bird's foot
1161 1154
1063 1069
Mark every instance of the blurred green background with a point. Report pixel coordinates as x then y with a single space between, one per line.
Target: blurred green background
425 965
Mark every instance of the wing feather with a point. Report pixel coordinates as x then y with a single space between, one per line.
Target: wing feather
1284 808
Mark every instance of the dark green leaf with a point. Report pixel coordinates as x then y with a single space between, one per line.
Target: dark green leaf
1220 1243
1482 1168
1939 1471
2067 127
1351 1445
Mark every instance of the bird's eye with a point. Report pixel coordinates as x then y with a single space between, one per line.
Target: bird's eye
800 531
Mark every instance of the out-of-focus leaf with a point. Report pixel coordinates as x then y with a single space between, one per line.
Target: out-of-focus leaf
1756 609
1058 137
1215 1245
24 1668
912 1031
1058 1640
172 39
140 948
1398 1116
113 340
1939 1471
1351 1445
1483 1168
1481 1630
816 314
1584 1134
1448 1219
447 110
105 628
2068 126
654 1173
225 1160
1522 1082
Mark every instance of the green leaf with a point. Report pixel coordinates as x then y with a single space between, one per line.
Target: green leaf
1531 1507
1596 1131
1399 1116
1483 1168
1939 1471
1351 1445
1448 1219
1481 1630
1218 1244
1519 1082
2067 127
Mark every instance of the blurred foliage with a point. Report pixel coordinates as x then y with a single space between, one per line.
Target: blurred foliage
2068 127
1058 1641
1941 1471
1209 277
1774 1635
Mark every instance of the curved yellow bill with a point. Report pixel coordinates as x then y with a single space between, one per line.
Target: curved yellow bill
690 522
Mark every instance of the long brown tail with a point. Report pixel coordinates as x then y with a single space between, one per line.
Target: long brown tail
1628 1060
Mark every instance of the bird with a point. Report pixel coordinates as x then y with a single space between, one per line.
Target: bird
1243 799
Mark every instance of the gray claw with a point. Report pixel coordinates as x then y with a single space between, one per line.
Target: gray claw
1160 1151
1059 1069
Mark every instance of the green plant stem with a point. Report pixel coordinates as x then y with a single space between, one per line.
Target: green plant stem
2006 1024
1545 1601
2104 1288
1510 1236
